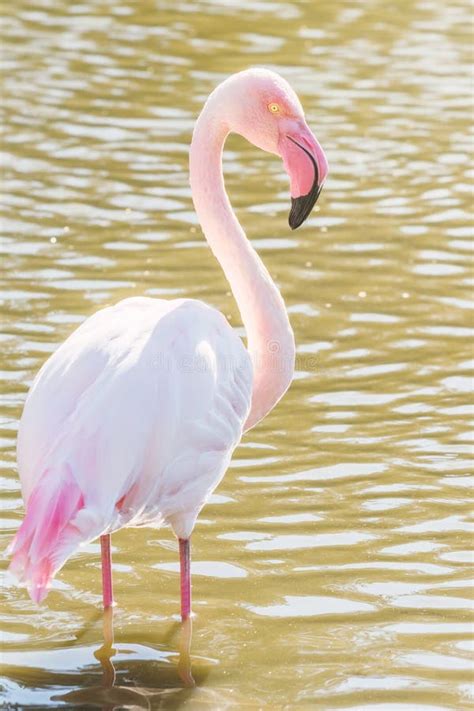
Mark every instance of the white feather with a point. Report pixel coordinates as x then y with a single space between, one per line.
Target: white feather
145 403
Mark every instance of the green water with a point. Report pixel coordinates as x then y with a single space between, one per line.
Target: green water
331 568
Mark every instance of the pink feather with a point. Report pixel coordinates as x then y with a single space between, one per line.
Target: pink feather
36 548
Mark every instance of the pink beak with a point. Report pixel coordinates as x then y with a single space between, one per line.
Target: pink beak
307 167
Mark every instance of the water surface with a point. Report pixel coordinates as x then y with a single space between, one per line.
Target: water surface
331 568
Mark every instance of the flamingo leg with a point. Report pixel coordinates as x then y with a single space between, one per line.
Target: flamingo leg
185 572
107 651
184 664
107 590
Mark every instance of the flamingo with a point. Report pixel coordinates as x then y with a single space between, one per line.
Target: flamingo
133 420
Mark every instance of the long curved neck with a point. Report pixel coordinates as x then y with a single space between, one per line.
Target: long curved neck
270 338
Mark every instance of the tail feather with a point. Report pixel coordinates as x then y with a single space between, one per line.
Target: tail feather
47 535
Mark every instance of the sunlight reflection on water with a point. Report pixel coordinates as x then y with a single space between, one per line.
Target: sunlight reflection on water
331 565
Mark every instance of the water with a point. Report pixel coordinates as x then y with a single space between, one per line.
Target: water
331 568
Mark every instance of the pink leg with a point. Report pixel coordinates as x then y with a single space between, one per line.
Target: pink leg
185 569
107 591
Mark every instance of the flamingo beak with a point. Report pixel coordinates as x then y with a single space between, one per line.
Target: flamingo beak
307 167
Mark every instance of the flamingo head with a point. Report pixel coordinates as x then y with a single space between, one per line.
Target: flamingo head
261 106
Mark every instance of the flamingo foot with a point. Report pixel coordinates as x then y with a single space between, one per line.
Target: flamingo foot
184 664
105 653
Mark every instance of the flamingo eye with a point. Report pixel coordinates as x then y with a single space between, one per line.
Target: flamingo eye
273 108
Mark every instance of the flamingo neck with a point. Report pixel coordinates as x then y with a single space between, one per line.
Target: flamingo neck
270 339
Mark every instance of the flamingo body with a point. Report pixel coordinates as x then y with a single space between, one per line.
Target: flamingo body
134 418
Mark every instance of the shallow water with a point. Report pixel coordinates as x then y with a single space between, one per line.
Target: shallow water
331 568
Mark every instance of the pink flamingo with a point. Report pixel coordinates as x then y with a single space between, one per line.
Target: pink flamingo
134 419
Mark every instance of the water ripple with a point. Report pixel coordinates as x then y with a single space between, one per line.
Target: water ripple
345 516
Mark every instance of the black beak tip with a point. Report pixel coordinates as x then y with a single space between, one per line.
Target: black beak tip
301 207
293 220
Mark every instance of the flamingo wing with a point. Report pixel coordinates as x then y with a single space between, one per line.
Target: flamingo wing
132 421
